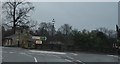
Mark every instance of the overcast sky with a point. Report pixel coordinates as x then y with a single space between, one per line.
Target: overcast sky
80 15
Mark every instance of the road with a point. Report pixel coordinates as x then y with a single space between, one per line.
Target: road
11 54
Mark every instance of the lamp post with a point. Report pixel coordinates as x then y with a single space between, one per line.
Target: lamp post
53 22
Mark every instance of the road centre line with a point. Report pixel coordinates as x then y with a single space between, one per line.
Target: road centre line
35 59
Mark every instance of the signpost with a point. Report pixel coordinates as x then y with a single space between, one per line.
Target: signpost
39 39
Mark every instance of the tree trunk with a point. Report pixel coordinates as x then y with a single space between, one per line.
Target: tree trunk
14 25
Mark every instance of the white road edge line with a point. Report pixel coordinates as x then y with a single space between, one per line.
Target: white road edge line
35 59
68 60
113 56
50 52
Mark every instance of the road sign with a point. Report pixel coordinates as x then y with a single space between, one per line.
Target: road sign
35 37
43 38
38 42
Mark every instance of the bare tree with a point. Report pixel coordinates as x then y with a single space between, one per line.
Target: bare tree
47 26
17 13
65 29
51 29
43 25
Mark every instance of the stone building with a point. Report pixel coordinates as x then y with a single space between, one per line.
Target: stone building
20 38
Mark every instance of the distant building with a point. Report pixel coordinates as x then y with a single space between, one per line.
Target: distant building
20 37
23 38
8 41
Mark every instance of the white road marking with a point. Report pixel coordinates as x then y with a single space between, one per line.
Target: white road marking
78 61
74 54
70 57
113 56
50 52
68 60
11 52
35 59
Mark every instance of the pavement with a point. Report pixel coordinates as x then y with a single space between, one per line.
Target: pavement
12 54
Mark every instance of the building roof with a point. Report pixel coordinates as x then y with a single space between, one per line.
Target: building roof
11 36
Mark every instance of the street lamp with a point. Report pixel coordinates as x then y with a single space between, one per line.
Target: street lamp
53 22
